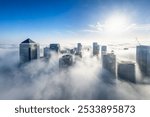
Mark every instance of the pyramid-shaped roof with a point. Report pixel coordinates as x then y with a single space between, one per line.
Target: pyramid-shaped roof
28 41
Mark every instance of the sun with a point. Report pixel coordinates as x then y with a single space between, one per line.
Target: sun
116 24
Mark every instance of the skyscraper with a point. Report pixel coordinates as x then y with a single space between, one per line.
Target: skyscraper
109 63
29 50
47 52
95 49
126 71
103 50
55 47
79 50
143 59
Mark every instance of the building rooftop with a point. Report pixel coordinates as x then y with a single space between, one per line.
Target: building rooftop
126 62
28 41
144 46
110 54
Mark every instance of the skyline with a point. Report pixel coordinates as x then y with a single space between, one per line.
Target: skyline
74 20
74 49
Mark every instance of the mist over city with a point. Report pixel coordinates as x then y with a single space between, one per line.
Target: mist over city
42 79
74 50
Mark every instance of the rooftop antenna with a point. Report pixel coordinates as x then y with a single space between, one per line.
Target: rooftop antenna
137 41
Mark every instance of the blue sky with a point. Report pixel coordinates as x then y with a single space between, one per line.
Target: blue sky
50 20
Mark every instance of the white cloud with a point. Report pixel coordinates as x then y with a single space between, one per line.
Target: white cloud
98 27
143 27
40 80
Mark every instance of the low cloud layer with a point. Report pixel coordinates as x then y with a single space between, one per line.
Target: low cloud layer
42 80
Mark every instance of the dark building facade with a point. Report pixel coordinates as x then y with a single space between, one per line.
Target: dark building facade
143 59
109 63
126 71
29 50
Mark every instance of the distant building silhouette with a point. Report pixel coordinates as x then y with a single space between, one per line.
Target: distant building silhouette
103 50
95 49
79 47
47 52
55 47
143 59
126 71
29 50
79 50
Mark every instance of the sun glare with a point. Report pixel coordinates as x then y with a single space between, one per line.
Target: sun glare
116 24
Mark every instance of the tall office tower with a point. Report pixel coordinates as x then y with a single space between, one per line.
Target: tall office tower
55 47
29 50
109 63
95 49
143 59
103 50
126 71
79 50
47 52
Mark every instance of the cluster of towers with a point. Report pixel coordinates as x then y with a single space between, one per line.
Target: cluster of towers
52 48
125 70
30 50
